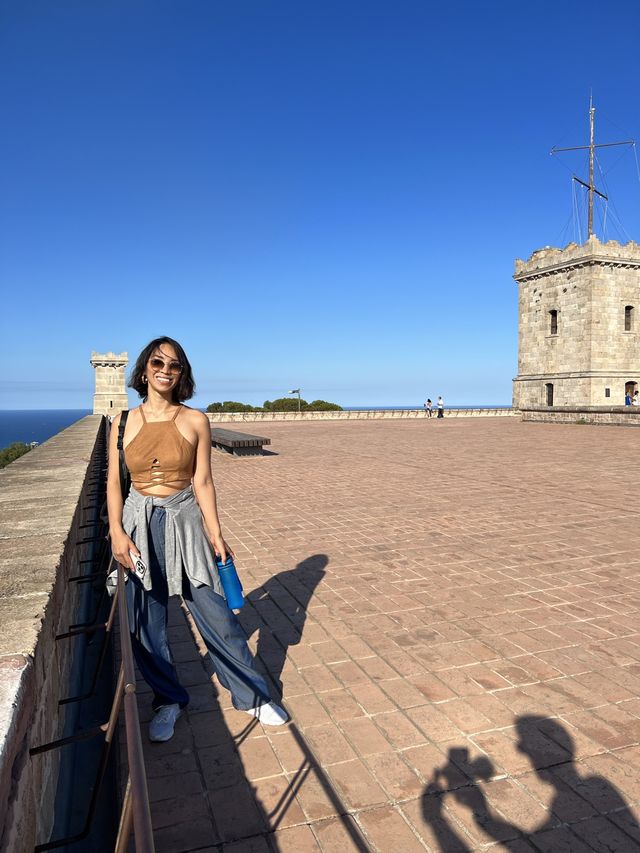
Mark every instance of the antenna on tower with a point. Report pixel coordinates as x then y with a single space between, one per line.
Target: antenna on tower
591 147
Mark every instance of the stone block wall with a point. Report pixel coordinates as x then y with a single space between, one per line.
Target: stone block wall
45 499
589 287
377 414
610 416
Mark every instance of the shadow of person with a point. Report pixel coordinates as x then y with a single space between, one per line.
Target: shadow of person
551 750
278 611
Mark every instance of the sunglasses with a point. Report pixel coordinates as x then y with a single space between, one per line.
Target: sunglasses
168 366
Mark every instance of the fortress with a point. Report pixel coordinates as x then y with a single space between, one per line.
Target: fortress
578 325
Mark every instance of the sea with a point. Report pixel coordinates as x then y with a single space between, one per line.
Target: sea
29 425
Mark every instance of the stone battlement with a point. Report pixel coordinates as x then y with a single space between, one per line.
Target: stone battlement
547 260
109 359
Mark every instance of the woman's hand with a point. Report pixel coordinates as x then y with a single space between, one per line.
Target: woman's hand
121 544
221 548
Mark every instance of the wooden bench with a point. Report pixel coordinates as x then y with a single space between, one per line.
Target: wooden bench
238 443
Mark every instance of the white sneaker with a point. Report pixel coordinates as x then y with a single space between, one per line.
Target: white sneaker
162 725
269 714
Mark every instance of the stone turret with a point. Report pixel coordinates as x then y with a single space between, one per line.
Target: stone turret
110 395
578 325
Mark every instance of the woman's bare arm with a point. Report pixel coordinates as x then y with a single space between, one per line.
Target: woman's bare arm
204 488
120 542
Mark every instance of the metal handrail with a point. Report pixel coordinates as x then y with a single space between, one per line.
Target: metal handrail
136 812
135 807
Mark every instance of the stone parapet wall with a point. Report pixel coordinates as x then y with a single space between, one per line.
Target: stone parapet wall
45 505
612 415
385 414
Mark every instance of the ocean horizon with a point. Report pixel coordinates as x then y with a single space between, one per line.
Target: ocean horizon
29 425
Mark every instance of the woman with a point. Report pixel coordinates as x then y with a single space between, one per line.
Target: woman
170 521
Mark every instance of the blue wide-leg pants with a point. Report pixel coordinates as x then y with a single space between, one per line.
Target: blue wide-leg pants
219 627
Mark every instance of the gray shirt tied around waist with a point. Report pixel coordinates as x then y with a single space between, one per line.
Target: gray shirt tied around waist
187 547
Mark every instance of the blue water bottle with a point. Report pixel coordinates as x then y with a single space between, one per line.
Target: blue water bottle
230 583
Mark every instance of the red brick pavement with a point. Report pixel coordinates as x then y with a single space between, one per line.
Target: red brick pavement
452 610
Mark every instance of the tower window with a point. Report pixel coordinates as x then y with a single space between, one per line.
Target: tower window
553 322
607 392
549 393
628 318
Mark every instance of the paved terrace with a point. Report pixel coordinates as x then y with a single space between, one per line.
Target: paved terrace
431 595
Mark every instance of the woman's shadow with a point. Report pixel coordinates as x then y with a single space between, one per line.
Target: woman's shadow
278 611
551 750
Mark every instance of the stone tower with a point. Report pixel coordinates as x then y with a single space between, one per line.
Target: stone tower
579 325
111 395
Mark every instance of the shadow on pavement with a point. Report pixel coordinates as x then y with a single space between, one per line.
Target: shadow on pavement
585 813
278 611
219 780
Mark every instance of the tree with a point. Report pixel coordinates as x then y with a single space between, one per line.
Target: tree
231 406
282 404
12 452
323 406
285 404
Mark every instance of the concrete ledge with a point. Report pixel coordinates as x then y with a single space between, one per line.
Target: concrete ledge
365 414
611 415
43 505
16 693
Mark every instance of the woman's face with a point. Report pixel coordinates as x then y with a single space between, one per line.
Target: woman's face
164 369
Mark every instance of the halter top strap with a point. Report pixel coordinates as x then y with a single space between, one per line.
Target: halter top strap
144 420
178 410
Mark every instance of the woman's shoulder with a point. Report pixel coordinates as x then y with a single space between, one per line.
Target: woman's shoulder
132 416
130 413
194 416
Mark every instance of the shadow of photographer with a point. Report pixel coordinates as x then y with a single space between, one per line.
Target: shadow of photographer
575 798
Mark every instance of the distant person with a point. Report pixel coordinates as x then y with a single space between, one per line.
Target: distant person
440 407
627 398
170 519
635 400
429 407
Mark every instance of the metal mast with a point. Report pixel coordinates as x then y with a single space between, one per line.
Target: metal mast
592 156
592 113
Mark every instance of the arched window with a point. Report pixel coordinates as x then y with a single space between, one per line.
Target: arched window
553 325
549 393
628 318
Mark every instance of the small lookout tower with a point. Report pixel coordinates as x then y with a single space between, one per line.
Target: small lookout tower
579 317
110 395
579 325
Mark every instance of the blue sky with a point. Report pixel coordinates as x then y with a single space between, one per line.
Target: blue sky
326 195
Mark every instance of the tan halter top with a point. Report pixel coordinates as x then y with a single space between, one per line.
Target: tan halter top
159 455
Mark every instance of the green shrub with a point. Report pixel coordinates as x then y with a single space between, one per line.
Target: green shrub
285 404
12 452
231 406
323 406
282 404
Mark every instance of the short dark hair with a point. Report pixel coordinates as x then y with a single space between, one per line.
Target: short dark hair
186 385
